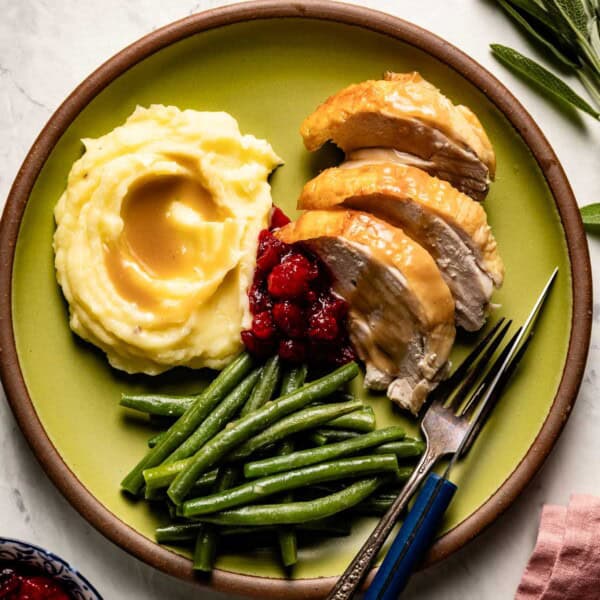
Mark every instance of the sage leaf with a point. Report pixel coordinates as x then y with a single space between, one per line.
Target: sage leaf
535 10
571 11
590 214
575 13
552 29
557 17
529 28
540 75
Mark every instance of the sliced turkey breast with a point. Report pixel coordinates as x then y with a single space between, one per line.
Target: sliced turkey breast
401 316
449 224
405 119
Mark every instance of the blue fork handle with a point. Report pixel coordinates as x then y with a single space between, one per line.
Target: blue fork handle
413 539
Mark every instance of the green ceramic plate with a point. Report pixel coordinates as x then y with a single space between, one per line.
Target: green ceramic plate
269 74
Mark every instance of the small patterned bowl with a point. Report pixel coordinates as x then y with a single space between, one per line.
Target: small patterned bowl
25 554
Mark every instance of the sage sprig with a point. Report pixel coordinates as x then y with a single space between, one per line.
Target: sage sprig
542 77
570 31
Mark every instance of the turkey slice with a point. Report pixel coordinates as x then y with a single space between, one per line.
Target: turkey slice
405 113
449 224
401 316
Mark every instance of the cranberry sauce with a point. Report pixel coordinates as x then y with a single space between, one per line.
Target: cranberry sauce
295 312
18 583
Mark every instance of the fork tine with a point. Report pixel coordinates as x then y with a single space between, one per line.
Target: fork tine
479 365
499 374
485 413
489 377
518 356
454 380
535 311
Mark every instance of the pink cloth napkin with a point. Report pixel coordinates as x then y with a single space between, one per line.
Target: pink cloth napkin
565 564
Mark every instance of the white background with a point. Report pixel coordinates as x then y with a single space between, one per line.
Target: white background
46 49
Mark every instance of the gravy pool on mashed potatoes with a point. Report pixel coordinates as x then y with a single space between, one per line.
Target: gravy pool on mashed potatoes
156 238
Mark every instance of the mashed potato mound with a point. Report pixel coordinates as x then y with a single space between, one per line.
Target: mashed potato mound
156 238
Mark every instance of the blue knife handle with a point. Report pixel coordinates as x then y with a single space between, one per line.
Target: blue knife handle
413 539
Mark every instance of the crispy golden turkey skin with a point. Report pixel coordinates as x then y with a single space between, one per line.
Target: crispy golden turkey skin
405 119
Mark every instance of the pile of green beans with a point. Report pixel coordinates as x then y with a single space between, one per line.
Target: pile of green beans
265 450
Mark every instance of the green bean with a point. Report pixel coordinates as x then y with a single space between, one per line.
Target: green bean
360 420
163 475
204 485
274 484
335 435
375 505
177 532
188 422
265 387
288 542
334 398
298 512
407 448
294 378
402 474
303 458
164 405
217 419
243 429
317 439
399 478
155 439
226 478
172 509
205 549
205 482
379 504
299 421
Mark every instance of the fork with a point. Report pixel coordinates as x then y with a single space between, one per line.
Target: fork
454 418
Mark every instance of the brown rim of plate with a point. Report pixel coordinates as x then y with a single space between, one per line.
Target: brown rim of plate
12 378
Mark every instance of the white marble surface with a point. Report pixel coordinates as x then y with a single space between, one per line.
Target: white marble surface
46 48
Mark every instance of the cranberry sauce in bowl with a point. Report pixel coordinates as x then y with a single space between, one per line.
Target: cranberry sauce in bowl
295 312
19 582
